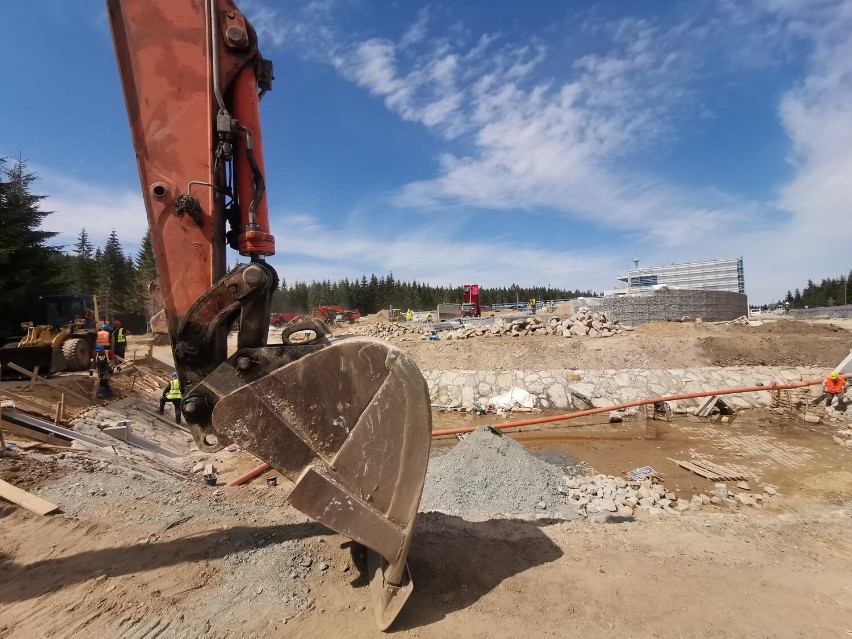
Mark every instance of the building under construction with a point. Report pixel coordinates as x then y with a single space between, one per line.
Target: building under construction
712 275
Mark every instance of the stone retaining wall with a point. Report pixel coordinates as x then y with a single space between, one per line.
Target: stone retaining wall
567 389
673 304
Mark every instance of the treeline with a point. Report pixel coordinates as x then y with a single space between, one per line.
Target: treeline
829 292
372 294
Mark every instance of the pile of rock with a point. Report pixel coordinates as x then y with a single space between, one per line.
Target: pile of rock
389 330
602 494
583 323
843 437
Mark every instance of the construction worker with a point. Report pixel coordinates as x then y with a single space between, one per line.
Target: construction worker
100 362
834 386
173 394
103 337
119 339
409 315
429 316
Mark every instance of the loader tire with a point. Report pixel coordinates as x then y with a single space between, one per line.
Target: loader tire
78 353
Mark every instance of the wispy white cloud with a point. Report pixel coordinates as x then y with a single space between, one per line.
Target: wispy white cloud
569 143
530 132
77 204
306 27
416 255
417 31
817 241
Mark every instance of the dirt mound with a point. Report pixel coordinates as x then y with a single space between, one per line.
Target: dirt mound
564 309
798 327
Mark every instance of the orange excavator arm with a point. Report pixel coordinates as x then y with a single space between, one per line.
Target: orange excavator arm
346 420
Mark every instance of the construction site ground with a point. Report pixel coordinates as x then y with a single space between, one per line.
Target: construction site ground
142 548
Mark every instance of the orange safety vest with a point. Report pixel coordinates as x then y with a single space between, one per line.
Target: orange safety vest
835 385
103 339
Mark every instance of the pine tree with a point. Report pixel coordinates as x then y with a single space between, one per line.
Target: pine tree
84 270
116 278
28 267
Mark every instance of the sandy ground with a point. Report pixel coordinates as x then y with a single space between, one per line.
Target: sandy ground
657 345
146 550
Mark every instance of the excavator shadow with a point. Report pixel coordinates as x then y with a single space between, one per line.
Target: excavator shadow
28 581
456 562
453 562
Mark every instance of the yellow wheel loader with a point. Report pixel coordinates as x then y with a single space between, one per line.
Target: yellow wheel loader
61 338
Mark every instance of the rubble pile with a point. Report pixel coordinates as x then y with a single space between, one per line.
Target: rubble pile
583 323
843 437
604 494
388 330
579 324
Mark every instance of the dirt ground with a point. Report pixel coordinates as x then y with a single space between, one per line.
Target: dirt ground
657 345
146 550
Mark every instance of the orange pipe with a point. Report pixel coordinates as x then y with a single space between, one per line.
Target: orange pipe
239 481
641 402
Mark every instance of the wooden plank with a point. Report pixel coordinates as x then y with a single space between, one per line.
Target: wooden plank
157 381
47 438
80 386
720 476
725 474
27 500
32 401
697 470
33 378
47 382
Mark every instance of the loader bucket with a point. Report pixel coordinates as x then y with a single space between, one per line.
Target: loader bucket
350 425
27 357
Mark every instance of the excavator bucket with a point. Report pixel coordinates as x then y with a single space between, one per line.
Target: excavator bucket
350 426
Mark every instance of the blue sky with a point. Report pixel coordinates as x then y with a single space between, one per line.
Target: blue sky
491 142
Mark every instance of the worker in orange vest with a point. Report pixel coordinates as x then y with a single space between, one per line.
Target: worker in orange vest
834 386
104 338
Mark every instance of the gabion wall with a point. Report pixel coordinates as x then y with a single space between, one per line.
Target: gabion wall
673 304
828 312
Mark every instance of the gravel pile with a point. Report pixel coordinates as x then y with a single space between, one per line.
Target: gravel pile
489 473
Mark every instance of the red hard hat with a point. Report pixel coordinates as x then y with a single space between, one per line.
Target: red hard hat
117 322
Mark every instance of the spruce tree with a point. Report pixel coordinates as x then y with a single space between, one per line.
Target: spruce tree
28 267
115 278
145 274
84 270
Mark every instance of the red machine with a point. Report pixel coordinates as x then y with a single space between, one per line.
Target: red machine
336 314
470 306
348 421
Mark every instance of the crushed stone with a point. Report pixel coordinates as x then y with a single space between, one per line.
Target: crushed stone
490 473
